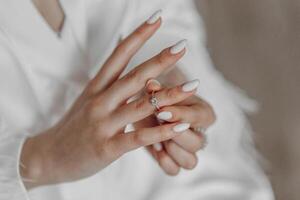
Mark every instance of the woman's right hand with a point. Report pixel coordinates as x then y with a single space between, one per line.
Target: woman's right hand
91 135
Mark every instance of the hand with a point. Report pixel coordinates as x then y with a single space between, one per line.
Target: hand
180 151
91 135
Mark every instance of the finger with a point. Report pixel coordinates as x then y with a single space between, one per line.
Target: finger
136 79
120 57
169 166
141 108
190 101
182 157
164 160
178 113
123 143
190 141
153 85
198 115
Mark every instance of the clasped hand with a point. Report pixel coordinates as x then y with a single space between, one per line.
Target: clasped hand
91 135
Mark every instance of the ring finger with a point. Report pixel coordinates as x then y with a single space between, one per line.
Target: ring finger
142 108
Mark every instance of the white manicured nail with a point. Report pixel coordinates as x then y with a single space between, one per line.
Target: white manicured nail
164 115
178 47
181 127
190 86
154 17
157 146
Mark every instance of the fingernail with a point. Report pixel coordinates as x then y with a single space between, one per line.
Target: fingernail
164 115
178 47
154 17
190 86
157 146
181 127
153 81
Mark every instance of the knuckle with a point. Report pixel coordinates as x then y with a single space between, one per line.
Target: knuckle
164 133
119 48
141 106
122 48
172 93
100 149
202 117
162 59
139 139
126 45
197 146
100 127
91 89
165 58
136 76
109 150
94 106
139 33
210 114
206 114
90 108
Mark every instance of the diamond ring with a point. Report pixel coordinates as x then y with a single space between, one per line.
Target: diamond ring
154 101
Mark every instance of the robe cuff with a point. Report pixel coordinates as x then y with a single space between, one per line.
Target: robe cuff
11 183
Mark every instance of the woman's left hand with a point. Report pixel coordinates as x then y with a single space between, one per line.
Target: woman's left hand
180 152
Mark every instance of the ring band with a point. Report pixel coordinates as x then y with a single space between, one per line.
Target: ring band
154 101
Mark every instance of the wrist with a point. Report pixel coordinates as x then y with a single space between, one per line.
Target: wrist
34 159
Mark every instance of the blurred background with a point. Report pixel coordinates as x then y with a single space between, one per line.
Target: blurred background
256 44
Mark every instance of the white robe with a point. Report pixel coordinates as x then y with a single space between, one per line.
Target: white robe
42 74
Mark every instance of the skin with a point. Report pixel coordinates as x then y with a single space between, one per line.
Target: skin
90 136
180 151
52 12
